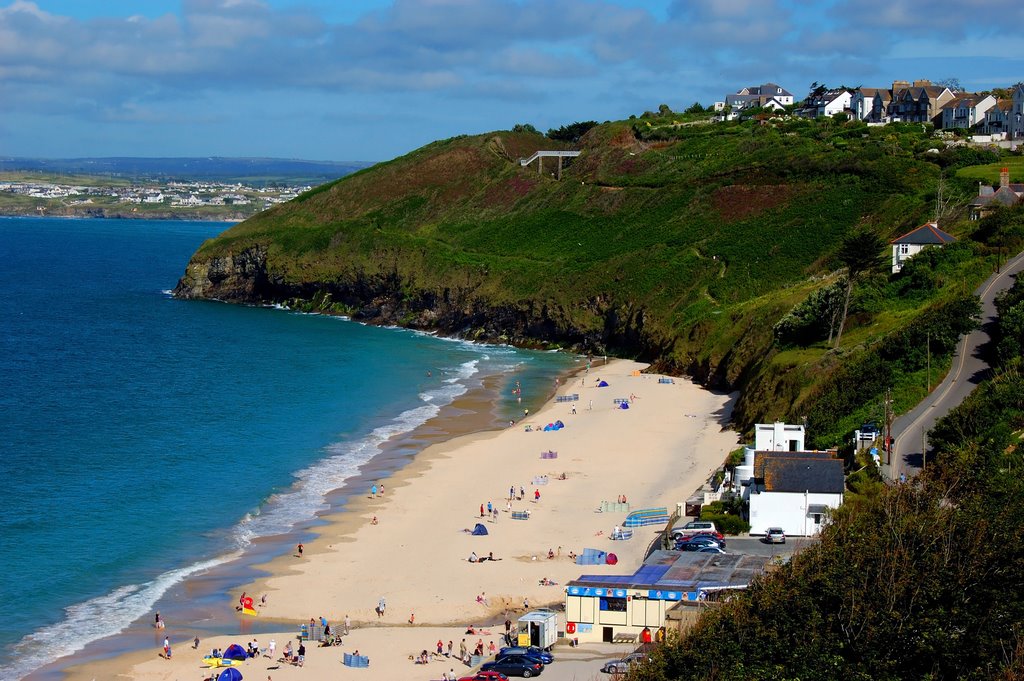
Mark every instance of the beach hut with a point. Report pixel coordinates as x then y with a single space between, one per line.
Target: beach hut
479 530
230 674
538 628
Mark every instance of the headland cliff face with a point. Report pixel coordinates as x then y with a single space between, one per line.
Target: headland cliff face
392 299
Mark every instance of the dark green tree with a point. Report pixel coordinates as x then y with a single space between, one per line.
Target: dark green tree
860 253
695 108
571 133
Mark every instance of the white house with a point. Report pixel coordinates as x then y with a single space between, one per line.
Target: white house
778 437
862 102
827 103
768 95
1016 116
966 111
794 491
913 242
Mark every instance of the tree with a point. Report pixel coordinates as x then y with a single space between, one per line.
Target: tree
663 110
572 132
861 253
952 83
525 127
695 108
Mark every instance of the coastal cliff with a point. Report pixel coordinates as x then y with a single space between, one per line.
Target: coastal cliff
680 246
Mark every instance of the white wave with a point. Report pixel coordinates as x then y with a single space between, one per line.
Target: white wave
97 618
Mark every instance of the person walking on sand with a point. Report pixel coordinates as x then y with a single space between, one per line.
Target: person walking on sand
381 605
373 492
299 547
348 623
381 489
536 495
481 510
167 648
573 407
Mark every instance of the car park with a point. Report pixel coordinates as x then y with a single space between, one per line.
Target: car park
775 535
710 549
693 543
485 676
515 665
532 651
533 657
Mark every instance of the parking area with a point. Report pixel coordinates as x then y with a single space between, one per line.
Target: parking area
583 663
754 546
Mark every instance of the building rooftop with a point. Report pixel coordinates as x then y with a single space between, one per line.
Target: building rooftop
675 575
926 234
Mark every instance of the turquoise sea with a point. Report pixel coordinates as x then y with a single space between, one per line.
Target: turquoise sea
147 441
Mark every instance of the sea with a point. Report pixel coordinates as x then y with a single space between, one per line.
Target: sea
153 449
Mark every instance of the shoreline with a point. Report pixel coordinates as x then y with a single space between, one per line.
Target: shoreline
197 600
416 555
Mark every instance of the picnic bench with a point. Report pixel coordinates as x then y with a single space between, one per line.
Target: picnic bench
624 638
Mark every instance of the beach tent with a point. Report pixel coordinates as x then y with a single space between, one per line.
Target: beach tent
624 405
230 674
602 384
592 557
479 529
611 559
235 652
559 425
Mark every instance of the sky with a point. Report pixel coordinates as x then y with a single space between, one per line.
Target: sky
368 80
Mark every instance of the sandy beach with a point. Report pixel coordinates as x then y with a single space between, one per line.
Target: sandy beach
415 556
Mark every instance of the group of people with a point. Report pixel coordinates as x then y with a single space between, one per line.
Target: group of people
473 558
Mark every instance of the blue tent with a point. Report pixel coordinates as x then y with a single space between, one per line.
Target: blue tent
559 425
235 652
230 674
479 529
602 384
624 405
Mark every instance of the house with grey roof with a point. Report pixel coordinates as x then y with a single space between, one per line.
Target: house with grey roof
826 103
794 491
1008 194
768 95
913 242
966 110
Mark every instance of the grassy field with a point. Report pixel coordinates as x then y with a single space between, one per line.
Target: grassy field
990 173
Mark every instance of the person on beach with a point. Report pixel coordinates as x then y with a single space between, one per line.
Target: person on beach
158 623
241 599
381 605
489 508
573 408
495 513
167 648
300 659
348 624
373 492
511 492
462 650
374 521
536 495
481 510
195 643
412 618
381 489
271 648
299 547
491 648
551 554
449 653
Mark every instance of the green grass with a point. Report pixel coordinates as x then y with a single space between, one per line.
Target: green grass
990 173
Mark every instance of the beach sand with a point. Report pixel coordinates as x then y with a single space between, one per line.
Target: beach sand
656 454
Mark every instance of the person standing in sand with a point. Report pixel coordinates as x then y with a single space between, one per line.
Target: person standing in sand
381 489
167 648
381 605
348 624
373 492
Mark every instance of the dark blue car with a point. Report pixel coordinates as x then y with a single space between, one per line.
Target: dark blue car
515 665
530 651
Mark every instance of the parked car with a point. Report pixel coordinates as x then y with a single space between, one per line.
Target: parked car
533 651
712 535
534 657
623 665
515 665
710 549
775 535
698 542
693 527
485 676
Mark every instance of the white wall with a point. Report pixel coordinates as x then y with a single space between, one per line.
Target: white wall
788 510
899 256
776 437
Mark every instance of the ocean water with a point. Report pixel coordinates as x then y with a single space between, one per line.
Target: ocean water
146 439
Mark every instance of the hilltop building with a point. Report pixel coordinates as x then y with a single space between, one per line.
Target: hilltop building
826 103
768 95
910 244
966 110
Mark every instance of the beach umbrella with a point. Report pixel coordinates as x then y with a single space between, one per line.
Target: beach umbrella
230 674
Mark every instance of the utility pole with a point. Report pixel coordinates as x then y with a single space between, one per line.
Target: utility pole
928 380
888 426
924 449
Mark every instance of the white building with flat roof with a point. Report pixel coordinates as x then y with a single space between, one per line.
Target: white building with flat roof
778 437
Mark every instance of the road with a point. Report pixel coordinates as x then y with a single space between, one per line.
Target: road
968 370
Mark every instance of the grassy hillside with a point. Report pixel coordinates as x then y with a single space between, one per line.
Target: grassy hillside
682 244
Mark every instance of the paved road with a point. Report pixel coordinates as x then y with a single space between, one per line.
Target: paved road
969 369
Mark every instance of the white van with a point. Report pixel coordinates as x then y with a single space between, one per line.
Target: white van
693 527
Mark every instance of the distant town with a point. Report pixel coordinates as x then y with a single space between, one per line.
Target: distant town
151 199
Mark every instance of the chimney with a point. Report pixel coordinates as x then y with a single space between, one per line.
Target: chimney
922 83
899 85
1004 178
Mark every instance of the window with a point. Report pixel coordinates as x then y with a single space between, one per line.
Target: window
613 604
817 519
904 249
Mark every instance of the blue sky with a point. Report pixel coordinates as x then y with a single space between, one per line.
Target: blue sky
372 79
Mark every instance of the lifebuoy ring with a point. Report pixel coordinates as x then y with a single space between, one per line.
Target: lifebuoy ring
570 628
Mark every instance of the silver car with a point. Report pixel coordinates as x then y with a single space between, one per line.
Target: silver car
775 535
